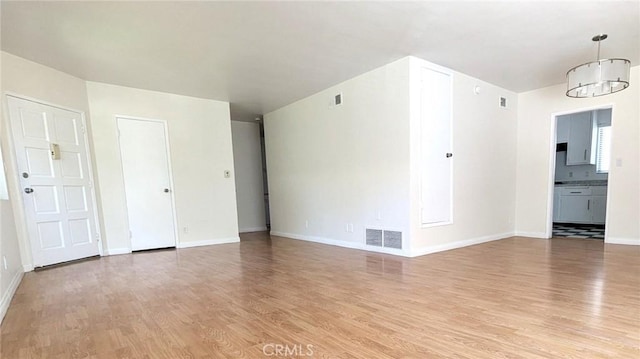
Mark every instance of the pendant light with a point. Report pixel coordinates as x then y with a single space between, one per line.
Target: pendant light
600 77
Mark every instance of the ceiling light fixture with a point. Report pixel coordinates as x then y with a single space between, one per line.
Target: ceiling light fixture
600 77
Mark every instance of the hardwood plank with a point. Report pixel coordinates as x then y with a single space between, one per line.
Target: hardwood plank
514 298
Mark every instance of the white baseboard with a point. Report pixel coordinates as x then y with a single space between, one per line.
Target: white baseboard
117 251
540 235
459 244
8 295
252 229
345 244
27 267
622 240
208 242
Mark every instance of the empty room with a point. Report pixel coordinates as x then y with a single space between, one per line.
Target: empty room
204 179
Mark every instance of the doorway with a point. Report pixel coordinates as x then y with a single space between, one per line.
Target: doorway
58 198
146 168
580 174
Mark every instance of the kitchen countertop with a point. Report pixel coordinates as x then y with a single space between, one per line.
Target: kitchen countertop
581 183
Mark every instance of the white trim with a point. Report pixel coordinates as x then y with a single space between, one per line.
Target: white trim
94 198
252 229
118 251
540 235
27 268
46 103
437 224
8 295
584 109
551 180
176 232
459 244
622 240
338 243
208 242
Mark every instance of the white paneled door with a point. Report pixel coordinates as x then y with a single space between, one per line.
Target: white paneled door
147 182
53 165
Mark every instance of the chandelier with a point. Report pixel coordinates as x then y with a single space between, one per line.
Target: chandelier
600 77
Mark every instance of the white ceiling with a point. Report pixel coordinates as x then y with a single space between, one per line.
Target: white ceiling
262 55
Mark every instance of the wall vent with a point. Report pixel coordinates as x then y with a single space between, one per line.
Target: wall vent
384 238
392 239
336 100
503 102
374 237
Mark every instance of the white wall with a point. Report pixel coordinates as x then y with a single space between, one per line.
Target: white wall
9 252
10 276
536 148
247 160
330 166
484 165
200 151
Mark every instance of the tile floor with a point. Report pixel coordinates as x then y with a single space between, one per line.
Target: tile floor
586 231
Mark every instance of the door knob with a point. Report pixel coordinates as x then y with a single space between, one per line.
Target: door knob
28 190
166 190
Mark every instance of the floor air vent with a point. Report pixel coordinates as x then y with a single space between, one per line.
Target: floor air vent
384 238
374 237
392 239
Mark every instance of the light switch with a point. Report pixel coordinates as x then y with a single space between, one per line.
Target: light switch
618 162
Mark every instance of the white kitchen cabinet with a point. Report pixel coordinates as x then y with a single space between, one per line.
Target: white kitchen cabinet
599 209
602 117
599 204
556 203
575 209
580 149
562 129
584 204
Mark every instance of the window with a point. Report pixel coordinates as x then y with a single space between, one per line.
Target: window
603 153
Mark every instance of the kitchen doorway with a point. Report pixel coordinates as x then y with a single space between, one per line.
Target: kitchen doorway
579 174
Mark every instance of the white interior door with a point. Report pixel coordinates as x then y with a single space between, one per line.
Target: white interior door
147 182
52 160
435 147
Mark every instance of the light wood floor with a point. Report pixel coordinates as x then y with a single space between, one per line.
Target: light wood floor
515 298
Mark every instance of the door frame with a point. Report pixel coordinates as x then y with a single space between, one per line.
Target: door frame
14 186
165 124
552 164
